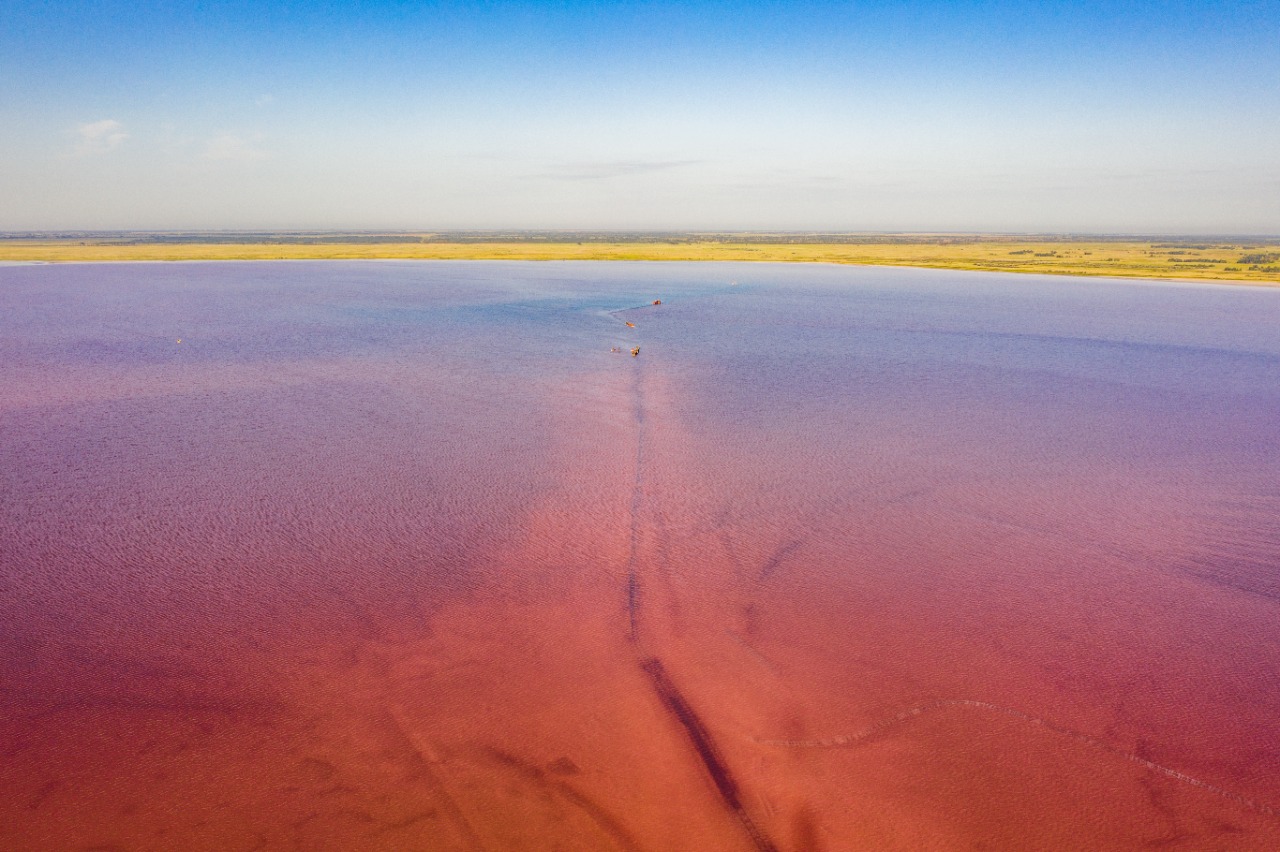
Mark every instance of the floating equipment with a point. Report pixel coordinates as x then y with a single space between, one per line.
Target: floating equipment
635 351
631 325
657 301
179 339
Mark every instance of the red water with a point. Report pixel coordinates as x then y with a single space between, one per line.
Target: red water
401 555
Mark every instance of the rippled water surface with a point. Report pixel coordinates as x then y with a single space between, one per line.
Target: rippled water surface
401 555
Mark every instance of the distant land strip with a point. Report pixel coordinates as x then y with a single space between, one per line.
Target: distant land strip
1245 259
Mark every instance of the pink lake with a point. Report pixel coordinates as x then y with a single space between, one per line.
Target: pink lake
400 555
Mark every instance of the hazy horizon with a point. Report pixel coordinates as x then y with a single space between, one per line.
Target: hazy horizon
872 117
623 234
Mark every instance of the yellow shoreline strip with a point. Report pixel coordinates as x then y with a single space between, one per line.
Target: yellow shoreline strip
1240 261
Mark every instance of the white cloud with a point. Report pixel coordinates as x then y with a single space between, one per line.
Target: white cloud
229 146
97 137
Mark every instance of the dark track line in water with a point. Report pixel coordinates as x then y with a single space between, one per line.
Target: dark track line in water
422 762
851 740
779 556
538 777
637 499
665 689
752 651
706 748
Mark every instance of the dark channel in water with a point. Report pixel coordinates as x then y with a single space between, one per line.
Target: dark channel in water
385 555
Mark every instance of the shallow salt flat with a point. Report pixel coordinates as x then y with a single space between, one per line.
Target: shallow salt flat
400 554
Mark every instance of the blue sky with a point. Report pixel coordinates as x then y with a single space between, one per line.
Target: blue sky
1074 117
